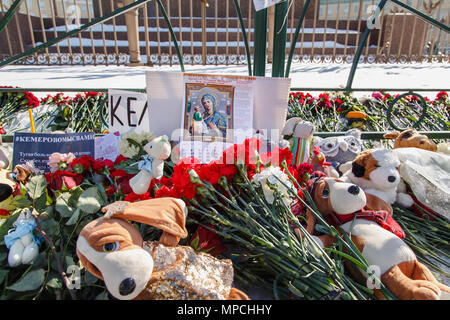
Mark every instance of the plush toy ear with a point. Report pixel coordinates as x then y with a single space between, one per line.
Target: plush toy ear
4 159
357 169
22 174
289 127
391 135
310 222
316 140
354 132
167 214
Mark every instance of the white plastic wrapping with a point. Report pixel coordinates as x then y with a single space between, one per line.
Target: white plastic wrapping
428 175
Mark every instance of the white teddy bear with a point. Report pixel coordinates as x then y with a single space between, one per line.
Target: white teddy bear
23 246
152 164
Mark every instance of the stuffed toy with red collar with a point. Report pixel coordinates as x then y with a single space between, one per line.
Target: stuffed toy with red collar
376 235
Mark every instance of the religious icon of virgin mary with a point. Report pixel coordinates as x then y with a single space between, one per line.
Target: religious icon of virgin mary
215 122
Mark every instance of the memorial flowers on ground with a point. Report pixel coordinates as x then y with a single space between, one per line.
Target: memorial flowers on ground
248 206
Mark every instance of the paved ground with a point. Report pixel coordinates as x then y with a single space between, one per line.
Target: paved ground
304 75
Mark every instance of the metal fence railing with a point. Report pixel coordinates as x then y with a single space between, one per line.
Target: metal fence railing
331 31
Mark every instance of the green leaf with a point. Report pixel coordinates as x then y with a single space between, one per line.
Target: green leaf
73 219
69 260
104 196
36 186
88 201
40 203
75 194
102 296
3 256
89 278
8 224
194 243
3 274
55 282
21 202
31 281
62 205
50 227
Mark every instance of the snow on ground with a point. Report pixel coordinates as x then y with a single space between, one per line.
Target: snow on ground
86 42
123 28
303 75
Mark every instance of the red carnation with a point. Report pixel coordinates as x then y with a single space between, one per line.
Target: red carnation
228 171
30 100
133 197
120 158
99 165
165 191
210 172
82 164
4 213
442 96
277 156
204 240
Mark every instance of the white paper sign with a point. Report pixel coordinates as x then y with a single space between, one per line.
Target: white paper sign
106 147
261 4
128 111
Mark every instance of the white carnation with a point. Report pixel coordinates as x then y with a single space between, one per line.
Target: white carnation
269 176
128 150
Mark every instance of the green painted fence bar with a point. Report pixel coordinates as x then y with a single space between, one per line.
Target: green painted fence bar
76 31
260 45
422 15
172 34
361 45
10 13
294 40
279 39
244 34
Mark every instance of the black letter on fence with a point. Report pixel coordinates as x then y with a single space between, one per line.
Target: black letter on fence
129 112
142 114
113 111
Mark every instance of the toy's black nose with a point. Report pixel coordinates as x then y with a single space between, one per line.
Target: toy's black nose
127 286
391 178
5 191
353 189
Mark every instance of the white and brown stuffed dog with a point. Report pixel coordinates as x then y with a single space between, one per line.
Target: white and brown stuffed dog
112 249
377 236
376 172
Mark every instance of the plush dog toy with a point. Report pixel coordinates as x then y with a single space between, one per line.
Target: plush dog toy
112 249
300 141
411 139
377 236
376 172
152 164
342 149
